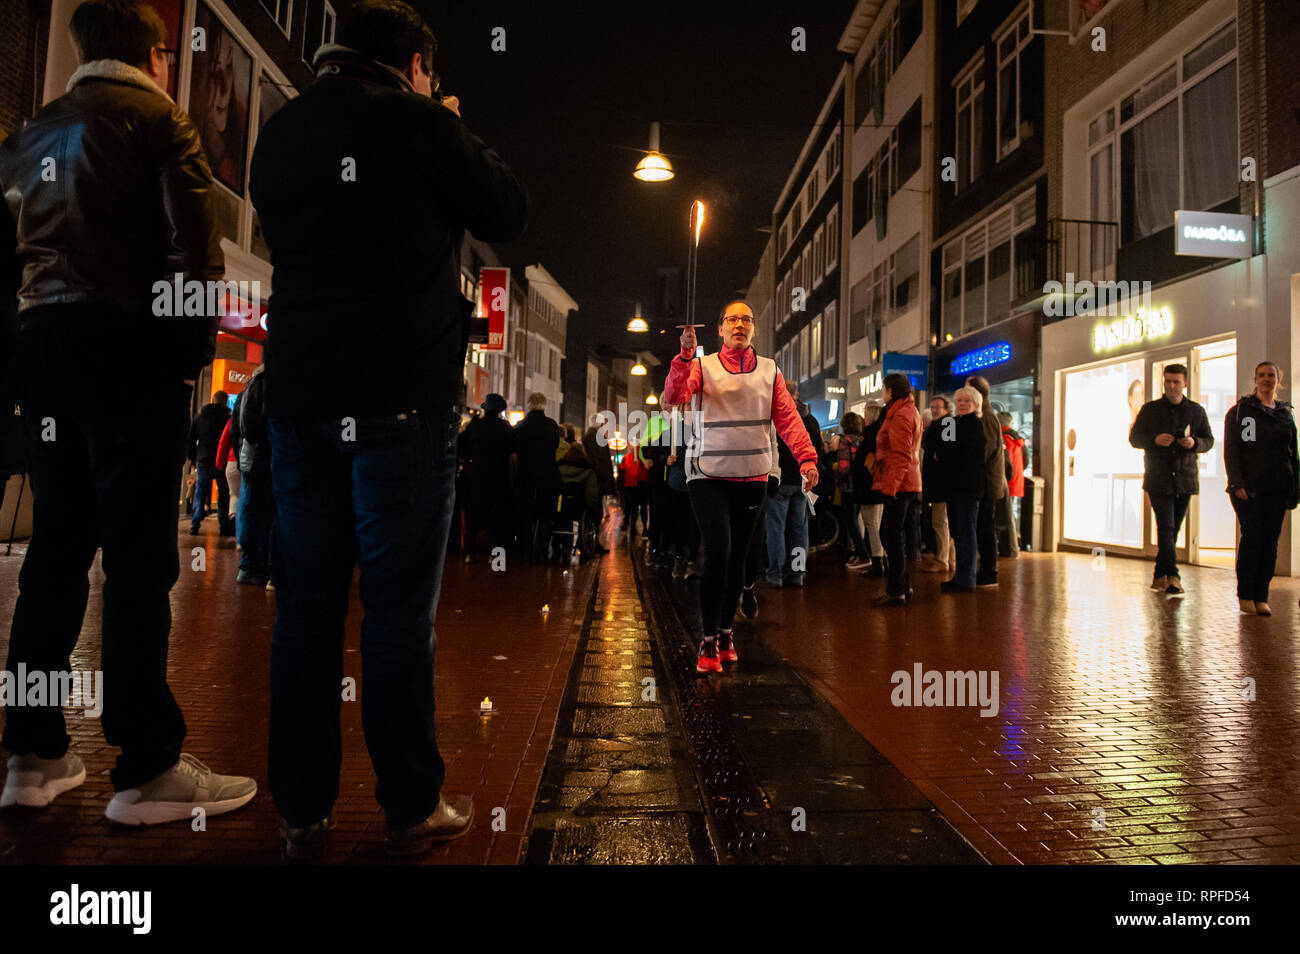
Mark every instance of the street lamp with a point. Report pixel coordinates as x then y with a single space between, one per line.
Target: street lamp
651 399
638 370
655 167
637 323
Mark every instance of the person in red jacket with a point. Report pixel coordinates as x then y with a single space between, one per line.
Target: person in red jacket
1015 445
741 398
635 477
898 477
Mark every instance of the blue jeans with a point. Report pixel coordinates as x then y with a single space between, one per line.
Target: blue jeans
383 499
963 514
255 515
203 492
787 529
1169 509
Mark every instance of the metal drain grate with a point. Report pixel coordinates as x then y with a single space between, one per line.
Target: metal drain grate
741 823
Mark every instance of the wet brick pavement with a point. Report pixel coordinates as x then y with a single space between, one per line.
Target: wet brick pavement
1132 727
493 640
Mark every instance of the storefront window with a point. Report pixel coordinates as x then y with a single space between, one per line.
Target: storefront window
1103 474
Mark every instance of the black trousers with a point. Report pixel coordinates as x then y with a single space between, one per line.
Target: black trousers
104 476
988 540
1261 523
728 512
895 526
686 531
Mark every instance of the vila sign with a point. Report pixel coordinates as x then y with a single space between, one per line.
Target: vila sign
1212 234
1141 326
494 301
835 388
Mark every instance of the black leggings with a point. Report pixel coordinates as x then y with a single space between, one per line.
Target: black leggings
728 512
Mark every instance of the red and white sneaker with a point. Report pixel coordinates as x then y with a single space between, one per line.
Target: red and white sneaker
727 647
708 661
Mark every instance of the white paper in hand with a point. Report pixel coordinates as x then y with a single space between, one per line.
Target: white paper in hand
809 496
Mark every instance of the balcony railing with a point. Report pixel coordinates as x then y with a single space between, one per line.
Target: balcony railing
1084 248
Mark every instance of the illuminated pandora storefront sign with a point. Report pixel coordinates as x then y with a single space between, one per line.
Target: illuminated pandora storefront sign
1143 325
1212 234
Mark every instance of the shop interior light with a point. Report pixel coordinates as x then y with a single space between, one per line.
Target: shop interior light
947 337
638 370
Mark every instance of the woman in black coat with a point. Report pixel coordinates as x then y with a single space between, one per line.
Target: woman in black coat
1259 450
961 450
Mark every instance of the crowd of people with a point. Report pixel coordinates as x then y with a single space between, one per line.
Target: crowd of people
935 490
524 487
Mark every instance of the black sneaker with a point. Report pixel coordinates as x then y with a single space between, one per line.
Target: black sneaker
749 603
306 844
986 582
952 586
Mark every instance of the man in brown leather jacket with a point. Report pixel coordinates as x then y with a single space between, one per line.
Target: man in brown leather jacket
106 193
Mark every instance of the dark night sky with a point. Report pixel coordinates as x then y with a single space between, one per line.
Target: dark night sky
572 98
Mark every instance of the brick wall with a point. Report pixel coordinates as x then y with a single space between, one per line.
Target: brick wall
24 30
1282 40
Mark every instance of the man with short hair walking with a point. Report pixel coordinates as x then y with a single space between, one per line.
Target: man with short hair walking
1170 431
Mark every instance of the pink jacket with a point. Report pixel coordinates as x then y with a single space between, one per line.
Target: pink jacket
898 466
684 380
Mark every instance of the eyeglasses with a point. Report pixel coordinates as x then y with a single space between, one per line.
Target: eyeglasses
168 55
745 320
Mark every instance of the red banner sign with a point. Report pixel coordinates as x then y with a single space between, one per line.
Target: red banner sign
494 304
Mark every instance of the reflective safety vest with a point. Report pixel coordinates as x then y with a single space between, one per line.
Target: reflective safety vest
731 434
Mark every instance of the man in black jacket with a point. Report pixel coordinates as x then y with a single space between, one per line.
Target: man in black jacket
365 185
1170 431
106 196
537 477
205 435
486 445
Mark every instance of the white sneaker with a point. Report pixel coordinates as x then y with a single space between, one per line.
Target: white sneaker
35 782
173 795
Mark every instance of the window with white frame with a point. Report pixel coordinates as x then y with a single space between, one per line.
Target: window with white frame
281 12
830 334
832 238
781 241
812 191
803 353
1013 122
1169 144
832 156
805 269
970 124
796 218
318 27
984 269
815 345
819 255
